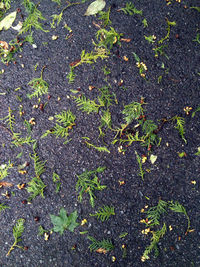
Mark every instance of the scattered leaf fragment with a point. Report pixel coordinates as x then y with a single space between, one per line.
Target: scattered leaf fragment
83 222
22 171
5 184
54 37
18 27
46 236
21 186
125 40
121 182
4 45
113 258
101 250
7 22
125 58
182 154
95 7
193 182
153 158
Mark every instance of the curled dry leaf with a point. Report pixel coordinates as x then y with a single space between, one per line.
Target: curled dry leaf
101 250
5 184
4 45
125 40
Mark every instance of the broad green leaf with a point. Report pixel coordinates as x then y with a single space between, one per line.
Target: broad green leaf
63 222
95 7
7 22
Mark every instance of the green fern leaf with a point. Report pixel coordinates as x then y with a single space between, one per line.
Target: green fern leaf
154 213
86 105
180 126
18 229
104 244
32 21
130 9
104 213
35 187
132 112
88 182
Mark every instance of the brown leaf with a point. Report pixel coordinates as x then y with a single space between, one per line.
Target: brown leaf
74 63
4 45
5 184
125 40
101 250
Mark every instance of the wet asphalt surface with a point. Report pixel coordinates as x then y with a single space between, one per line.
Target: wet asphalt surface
169 178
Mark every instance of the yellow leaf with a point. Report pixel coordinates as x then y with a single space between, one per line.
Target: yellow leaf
95 7
7 22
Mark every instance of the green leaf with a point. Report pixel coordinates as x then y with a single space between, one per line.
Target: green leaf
63 222
104 213
95 7
7 22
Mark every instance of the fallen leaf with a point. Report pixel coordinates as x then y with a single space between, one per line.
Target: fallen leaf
5 184
7 22
125 40
101 250
95 7
153 158
4 45
18 27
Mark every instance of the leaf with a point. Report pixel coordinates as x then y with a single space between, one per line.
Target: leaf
196 7
63 222
95 7
153 159
7 22
5 184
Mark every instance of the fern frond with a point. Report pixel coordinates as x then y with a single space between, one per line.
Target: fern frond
106 119
88 182
39 165
154 243
4 170
18 229
32 21
90 58
107 39
104 213
180 126
98 148
139 160
19 141
40 87
130 9
148 127
132 112
3 207
35 187
66 118
87 105
197 110
10 119
65 122
71 75
177 207
154 213
105 17
106 99
104 244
